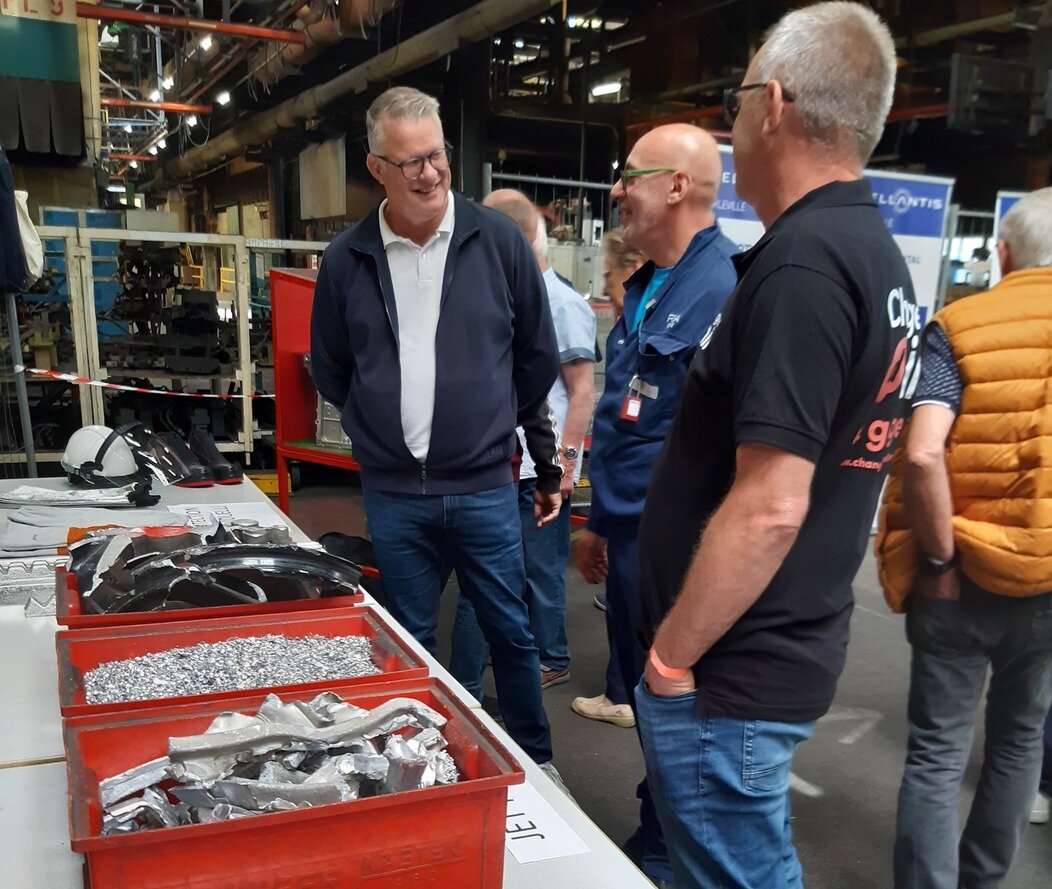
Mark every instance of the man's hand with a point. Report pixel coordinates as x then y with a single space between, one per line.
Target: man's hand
945 586
546 507
566 483
590 556
661 687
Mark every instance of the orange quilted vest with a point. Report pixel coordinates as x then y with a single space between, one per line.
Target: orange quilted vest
999 453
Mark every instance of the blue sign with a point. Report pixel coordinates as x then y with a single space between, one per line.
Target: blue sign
728 204
910 205
1006 200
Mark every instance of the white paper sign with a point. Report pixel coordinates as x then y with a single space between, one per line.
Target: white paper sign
201 515
535 831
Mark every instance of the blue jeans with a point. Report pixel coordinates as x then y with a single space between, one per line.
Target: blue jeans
721 789
415 537
647 846
546 551
955 644
1046 768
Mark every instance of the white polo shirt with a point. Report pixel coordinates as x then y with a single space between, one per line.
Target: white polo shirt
416 273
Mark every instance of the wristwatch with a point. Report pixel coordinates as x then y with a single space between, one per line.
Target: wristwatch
569 452
935 567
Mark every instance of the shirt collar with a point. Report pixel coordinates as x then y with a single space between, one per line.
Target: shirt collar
445 225
855 192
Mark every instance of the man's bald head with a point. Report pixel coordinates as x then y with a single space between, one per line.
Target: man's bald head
515 205
689 149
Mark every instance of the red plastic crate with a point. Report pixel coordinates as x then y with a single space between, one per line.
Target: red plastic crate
448 837
68 611
82 650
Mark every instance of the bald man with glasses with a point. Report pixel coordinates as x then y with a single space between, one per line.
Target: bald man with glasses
665 196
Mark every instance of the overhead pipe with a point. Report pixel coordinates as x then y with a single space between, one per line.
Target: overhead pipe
477 23
174 107
233 29
114 156
355 19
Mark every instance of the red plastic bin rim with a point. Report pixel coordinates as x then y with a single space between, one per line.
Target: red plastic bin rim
431 691
82 650
69 614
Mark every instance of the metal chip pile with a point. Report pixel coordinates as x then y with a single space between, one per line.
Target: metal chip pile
254 662
287 756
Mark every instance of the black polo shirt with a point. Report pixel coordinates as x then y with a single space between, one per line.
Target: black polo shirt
814 354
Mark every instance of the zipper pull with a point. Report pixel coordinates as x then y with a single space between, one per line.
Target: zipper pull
423 479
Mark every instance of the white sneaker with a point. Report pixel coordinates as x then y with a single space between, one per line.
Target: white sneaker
1040 813
601 708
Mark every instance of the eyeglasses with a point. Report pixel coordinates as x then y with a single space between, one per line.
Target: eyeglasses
628 175
732 102
413 168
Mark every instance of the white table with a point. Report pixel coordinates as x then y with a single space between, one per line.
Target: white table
34 841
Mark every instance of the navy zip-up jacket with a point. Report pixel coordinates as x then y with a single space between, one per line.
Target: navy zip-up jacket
658 352
496 357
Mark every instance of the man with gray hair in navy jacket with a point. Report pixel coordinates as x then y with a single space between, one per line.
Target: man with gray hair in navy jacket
431 332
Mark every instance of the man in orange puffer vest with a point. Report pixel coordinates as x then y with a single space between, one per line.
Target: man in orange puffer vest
965 549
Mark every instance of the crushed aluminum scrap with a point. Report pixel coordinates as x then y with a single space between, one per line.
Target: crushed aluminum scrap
287 756
235 664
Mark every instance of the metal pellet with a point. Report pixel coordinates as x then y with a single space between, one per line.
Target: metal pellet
209 667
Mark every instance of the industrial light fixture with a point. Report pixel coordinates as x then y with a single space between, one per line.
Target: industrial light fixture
152 149
606 89
496 41
519 44
191 120
205 43
168 82
133 164
615 164
116 189
155 95
127 128
162 144
223 98
572 21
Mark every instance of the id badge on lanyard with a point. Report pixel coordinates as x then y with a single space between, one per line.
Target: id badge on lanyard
633 403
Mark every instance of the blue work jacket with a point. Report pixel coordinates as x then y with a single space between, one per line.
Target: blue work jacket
657 354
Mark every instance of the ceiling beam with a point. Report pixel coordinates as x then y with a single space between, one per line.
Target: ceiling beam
174 107
476 23
230 29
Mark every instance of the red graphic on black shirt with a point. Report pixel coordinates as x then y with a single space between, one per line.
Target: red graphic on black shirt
896 371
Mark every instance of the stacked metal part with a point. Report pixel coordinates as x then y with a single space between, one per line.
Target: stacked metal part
286 756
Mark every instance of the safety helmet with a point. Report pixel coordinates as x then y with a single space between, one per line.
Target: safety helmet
100 456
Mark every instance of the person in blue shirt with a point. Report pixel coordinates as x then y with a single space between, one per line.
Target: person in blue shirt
546 549
665 195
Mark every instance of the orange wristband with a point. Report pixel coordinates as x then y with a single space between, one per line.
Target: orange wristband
666 672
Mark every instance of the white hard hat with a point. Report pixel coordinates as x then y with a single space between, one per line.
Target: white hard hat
100 456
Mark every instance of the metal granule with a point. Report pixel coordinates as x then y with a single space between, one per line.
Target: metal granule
208 667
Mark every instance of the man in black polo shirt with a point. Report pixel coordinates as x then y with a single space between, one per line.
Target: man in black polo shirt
789 416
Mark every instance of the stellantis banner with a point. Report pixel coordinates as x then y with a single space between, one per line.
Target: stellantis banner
914 207
1005 201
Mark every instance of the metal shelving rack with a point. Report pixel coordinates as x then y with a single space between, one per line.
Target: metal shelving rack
244 372
74 259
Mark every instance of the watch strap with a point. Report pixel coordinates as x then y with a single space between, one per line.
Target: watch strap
936 567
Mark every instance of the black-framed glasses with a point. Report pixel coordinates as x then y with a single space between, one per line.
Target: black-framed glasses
412 168
732 102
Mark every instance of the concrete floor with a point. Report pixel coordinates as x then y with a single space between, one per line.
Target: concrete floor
848 773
